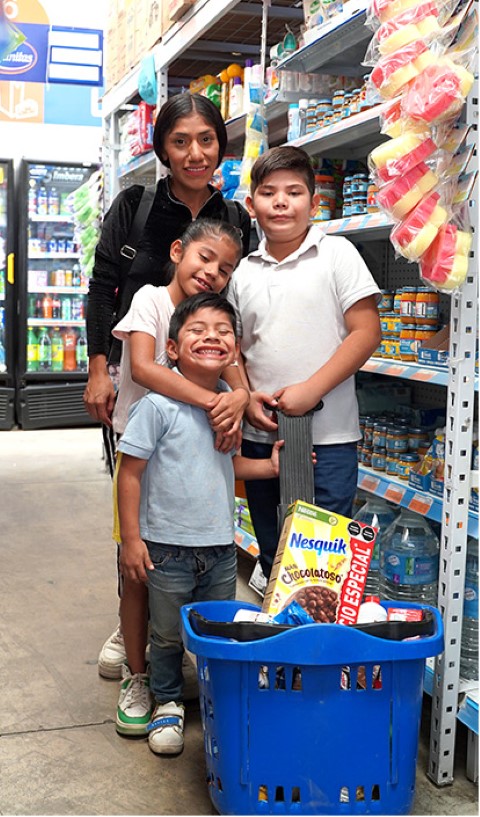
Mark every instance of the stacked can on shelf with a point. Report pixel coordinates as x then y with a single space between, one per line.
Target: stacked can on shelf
413 319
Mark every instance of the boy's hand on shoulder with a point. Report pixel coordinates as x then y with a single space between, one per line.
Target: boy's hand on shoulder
296 400
256 414
135 560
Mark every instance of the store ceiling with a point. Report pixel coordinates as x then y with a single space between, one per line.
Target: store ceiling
236 37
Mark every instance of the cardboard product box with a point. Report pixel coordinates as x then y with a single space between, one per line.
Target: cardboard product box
148 26
435 351
166 22
420 482
322 562
177 8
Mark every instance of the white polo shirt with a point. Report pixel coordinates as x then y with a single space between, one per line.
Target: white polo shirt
291 321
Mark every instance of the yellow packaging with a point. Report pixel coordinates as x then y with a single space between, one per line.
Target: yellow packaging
322 562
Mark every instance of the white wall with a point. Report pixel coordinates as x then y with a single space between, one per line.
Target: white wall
62 143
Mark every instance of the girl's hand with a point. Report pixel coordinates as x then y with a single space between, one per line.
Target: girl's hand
226 410
135 560
255 412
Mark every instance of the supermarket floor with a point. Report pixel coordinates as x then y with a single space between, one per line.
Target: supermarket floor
59 751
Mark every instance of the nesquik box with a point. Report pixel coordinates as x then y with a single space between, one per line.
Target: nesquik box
322 562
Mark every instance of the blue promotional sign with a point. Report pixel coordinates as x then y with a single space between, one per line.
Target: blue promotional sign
75 55
27 61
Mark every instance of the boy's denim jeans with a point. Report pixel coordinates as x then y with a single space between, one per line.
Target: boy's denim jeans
182 575
335 477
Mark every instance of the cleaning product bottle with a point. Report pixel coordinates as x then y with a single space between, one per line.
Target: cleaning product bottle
235 107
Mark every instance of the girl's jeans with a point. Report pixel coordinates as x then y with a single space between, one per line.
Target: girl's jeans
182 575
335 476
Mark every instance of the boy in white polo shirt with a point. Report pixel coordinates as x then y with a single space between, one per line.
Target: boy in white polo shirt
308 320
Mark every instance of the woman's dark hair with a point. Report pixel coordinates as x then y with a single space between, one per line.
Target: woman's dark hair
191 305
182 105
284 157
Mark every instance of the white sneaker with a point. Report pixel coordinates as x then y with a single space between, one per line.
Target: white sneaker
165 732
135 704
112 656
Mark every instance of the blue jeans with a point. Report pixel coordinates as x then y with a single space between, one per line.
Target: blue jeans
335 476
182 575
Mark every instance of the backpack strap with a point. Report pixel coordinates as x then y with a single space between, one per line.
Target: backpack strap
129 249
233 213
128 253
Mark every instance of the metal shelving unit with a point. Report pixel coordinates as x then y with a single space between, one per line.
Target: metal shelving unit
204 34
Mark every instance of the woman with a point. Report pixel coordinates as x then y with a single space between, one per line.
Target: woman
190 140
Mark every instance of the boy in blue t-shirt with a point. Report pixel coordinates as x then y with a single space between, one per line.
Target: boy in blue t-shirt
176 500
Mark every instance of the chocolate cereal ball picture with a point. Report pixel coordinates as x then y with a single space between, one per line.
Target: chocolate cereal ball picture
319 602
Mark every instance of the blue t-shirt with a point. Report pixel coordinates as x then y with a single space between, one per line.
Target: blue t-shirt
188 488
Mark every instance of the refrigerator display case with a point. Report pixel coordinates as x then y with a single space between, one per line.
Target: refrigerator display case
7 303
52 286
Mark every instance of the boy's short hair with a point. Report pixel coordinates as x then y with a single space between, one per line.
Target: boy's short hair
284 157
191 305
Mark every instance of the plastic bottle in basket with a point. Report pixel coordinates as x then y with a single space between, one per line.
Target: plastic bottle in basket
409 559
378 513
469 648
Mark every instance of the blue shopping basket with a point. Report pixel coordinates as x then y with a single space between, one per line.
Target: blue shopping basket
320 719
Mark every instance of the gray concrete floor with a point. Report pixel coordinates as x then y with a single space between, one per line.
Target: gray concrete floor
59 751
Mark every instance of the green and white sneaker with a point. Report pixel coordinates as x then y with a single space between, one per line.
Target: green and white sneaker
135 706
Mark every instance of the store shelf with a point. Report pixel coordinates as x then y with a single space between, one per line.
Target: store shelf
66 217
340 46
467 711
54 322
140 164
356 135
400 493
60 256
59 290
371 226
407 371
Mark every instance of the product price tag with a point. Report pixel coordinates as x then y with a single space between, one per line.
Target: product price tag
423 375
395 493
420 504
369 483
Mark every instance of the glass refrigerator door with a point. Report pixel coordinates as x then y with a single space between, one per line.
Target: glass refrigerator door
4 180
56 278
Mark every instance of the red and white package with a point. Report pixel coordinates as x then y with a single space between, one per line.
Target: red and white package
401 195
397 156
413 236
444 265
438 93
393 71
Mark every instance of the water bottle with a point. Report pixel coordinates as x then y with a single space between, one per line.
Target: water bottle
378 513
469 648
409 559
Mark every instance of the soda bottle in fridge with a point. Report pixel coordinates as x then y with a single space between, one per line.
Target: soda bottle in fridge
69 351
44 349
32 350
82 353
42 200
57 350
53 200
